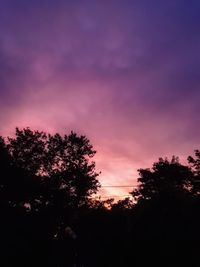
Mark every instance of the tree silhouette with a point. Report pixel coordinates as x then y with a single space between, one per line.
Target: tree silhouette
165 178
44 181
166 209
64 162
194 162
18 187
50 218
124 204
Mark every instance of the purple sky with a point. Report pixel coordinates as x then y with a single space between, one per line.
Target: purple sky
126 73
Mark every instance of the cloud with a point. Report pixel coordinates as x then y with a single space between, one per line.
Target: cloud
125 73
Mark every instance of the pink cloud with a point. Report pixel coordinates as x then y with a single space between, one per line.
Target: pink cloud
123 74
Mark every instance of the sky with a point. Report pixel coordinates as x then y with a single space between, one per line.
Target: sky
126 73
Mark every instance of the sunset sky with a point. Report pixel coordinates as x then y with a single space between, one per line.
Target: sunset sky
126 73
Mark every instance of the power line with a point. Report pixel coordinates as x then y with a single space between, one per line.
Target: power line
122 196
112 196
118 186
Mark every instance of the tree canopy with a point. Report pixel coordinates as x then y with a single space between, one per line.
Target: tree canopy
50 218
166 177
63 164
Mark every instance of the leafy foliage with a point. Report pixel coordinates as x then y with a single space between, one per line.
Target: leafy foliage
64 163
165 177
50 218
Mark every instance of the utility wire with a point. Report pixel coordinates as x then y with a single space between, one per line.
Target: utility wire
114 196
118 185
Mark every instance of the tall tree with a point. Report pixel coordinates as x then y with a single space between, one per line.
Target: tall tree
165 178
50 176
17 185
194 162
63 162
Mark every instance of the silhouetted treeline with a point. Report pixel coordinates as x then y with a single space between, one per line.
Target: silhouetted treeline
49 216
